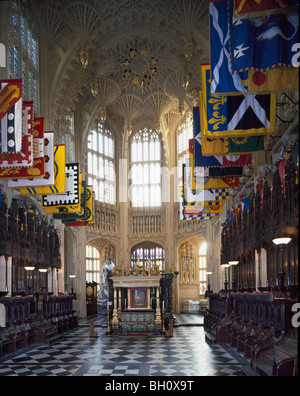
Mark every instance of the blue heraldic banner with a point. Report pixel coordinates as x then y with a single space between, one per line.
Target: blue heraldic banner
262 43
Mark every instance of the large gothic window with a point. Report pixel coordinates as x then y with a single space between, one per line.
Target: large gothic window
101 164
145 174
23 56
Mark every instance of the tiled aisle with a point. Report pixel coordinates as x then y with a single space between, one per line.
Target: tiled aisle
186 354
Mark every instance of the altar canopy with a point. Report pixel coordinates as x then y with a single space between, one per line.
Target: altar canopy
140 301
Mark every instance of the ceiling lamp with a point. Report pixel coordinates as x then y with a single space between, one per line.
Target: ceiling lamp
84 57
282 241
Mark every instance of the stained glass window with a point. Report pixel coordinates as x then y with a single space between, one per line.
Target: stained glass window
148 255
23 60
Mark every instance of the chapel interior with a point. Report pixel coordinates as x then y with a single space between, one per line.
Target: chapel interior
116 84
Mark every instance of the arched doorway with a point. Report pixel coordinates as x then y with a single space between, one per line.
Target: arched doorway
100 261
192 259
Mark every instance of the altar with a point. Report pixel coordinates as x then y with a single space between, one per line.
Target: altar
140 303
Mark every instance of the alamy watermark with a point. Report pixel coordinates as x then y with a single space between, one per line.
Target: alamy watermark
2 55
296 57
296 317
198 179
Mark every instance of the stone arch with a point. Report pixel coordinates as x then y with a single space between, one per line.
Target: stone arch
188 267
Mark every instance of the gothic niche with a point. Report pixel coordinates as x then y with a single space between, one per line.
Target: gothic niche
187 264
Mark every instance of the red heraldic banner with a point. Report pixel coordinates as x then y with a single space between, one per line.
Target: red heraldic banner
38 167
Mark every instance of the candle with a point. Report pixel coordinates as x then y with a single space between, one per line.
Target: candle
125 303
163 305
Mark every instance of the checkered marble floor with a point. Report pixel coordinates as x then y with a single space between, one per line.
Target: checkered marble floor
185 354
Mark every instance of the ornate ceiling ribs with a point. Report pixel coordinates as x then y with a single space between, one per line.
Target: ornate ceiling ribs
161 33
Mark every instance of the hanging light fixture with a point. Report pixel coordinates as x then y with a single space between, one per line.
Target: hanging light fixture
94 87
129 129
189 50
84 57
102 115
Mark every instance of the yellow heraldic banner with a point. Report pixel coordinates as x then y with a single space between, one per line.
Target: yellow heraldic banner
70 200
237 115
59 176
281 79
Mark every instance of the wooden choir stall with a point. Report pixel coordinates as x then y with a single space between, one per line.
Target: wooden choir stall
254 312
30 313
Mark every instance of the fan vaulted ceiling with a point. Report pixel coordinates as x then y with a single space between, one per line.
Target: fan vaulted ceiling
130 61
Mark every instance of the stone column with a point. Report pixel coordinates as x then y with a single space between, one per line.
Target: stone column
158 312
115 320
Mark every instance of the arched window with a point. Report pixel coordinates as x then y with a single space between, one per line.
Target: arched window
148 255
23 55
203 268
93 271
101 164
145 173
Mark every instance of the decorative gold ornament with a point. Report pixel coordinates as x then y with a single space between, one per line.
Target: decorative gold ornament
129 129
84 57
189 50
94 87
145 52
102 115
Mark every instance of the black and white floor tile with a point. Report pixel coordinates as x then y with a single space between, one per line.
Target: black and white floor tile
185 354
